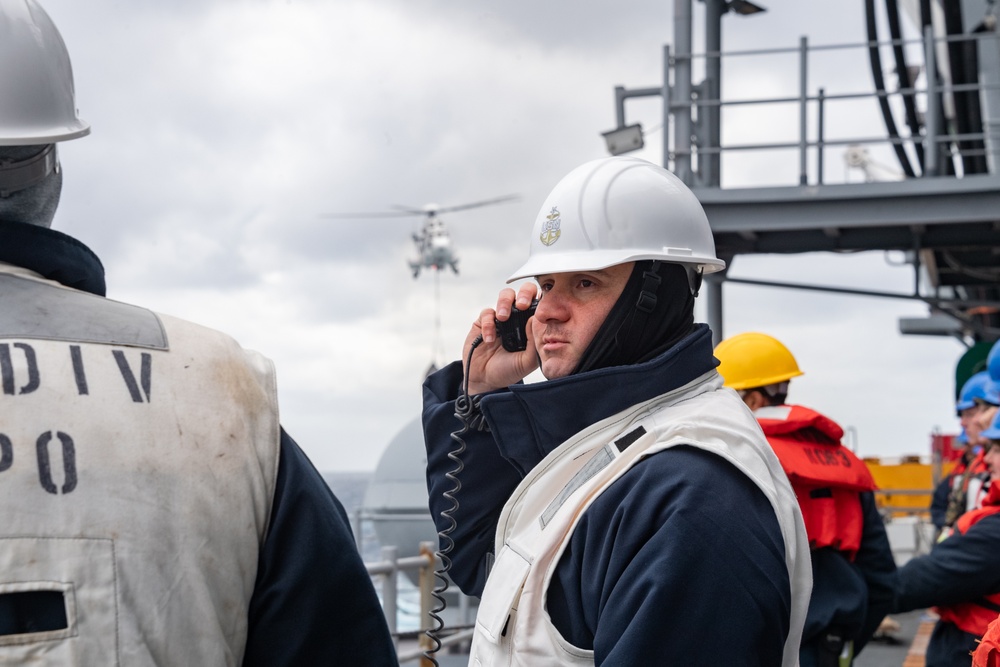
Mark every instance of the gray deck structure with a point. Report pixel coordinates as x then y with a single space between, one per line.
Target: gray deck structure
943 210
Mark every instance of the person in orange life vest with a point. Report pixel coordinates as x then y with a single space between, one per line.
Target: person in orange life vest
853 568
984 422
960 490
983 425
960 575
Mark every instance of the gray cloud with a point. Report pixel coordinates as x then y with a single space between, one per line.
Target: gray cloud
222 131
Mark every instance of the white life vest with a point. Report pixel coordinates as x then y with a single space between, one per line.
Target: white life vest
138 456
512 625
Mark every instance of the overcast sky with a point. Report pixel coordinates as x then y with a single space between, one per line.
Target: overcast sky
224 130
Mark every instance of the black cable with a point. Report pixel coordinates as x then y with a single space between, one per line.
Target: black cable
903 72
925 22
875 59
467 411
964 69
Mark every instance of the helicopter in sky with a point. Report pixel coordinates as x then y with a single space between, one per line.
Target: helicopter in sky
433 242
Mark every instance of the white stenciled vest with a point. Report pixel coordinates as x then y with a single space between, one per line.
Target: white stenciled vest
512 625
138 456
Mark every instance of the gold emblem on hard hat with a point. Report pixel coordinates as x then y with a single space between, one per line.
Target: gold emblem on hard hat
550 228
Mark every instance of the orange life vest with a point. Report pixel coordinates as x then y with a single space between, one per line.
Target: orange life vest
826 476
974 461
969 481
974 617
988 652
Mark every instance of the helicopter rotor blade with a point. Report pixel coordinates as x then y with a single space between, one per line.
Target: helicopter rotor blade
487 202
383 214
411 210
429 210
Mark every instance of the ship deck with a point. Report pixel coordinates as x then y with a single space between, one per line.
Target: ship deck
903 648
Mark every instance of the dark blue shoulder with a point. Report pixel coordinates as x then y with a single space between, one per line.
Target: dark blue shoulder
682 537
313 601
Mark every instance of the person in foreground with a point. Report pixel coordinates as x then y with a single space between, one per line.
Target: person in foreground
154 511
854 574
627 510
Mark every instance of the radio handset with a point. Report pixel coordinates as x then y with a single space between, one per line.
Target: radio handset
513 332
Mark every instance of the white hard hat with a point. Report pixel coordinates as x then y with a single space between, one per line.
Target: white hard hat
37 100
616 210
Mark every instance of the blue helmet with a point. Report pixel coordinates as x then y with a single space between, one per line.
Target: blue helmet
992 391
993 432
993 368
979 386
993 362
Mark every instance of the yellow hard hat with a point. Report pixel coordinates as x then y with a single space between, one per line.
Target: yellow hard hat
752 360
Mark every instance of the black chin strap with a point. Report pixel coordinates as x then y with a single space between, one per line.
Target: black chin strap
646 303
17 175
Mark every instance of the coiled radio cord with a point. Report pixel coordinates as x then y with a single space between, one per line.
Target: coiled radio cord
467 411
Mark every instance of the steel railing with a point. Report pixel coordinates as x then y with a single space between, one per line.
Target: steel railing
387 571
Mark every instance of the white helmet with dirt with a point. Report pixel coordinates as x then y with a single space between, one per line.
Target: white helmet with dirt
37 110
37 98
616 210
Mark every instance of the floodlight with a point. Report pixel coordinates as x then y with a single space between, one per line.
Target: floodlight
936 324
744 7
624 139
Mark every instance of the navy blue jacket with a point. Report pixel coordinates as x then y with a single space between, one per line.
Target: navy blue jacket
939 501
680 561
313 602
961 568
851 597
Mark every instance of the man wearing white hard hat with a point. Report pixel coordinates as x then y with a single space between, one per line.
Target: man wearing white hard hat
627 510
154 511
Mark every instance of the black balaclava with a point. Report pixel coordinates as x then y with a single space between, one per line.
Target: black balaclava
654 311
